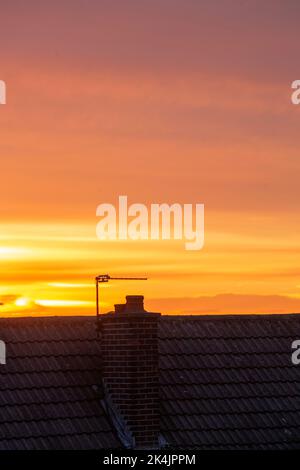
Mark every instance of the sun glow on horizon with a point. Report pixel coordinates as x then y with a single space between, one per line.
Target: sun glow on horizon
63 303
41 276
22 302
70 285
14 252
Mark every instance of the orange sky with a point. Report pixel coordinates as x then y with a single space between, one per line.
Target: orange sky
174 101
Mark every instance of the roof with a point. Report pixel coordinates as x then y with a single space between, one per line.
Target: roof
50 387
227 382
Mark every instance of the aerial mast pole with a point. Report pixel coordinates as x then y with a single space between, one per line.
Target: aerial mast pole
106 278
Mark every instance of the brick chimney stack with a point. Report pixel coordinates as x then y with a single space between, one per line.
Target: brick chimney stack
130 372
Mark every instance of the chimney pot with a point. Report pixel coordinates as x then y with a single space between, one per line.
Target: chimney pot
120 308
134 304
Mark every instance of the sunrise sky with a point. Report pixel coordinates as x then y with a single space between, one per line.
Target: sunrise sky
163 101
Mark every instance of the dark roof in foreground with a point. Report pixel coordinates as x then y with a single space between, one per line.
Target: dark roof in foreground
227 382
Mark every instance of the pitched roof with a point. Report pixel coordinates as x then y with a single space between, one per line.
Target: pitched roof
226 382
50 389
